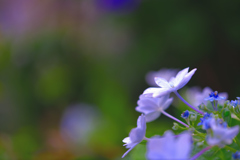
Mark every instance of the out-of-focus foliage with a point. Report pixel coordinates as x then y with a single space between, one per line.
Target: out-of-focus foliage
55 54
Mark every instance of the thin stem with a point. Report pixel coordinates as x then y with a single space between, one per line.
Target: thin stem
213 105
145 138
201 152
216 105
189 105
168 115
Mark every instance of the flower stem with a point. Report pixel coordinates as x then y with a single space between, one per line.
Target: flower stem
145 138
168 115
189 105
201 152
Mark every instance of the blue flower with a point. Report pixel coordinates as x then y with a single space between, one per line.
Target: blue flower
196 97
234 103
205 117
213 96
136 135
185 114
169 147
236 155
221 123
175 83
221 135
152 107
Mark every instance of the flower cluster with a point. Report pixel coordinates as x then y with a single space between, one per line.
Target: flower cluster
214 116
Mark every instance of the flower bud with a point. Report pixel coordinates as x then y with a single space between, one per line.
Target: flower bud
200 144
175 126
193 117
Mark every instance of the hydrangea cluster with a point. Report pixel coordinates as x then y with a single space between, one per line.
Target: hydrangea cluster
210 122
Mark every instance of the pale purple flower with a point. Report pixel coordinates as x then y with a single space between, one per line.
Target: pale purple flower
221 135
152 107
136 135
163 73
78 123
169 146
174 84
196 97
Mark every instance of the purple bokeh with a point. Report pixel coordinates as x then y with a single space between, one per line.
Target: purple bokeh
118 5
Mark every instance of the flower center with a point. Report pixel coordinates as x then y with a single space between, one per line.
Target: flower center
171 84
214 94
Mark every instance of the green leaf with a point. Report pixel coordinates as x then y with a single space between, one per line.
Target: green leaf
226 114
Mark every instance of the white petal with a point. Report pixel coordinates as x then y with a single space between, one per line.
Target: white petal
173 81
126 140
167 103
150 91
207 91
129 150
232 132
183 152
137 135
213 141
155 147
162 92
228 141
185 79
181 74
152 116
141 121
146 109
147 101
162 100
162 82
223 94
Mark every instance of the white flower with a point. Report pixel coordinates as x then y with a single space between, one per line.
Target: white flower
152 107
169 147
136 135
163 73
196 97
175 83
221 135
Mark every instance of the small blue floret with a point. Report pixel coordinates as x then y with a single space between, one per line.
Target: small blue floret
185 114
205 117
236 155
213 96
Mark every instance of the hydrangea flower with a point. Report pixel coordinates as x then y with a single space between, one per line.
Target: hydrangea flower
185 114
196 97
221 135
234 103
236 155
163 73
169 147
175 83
152 107
205 120
136 135
214 96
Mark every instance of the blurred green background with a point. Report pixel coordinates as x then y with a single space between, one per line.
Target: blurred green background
71 71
